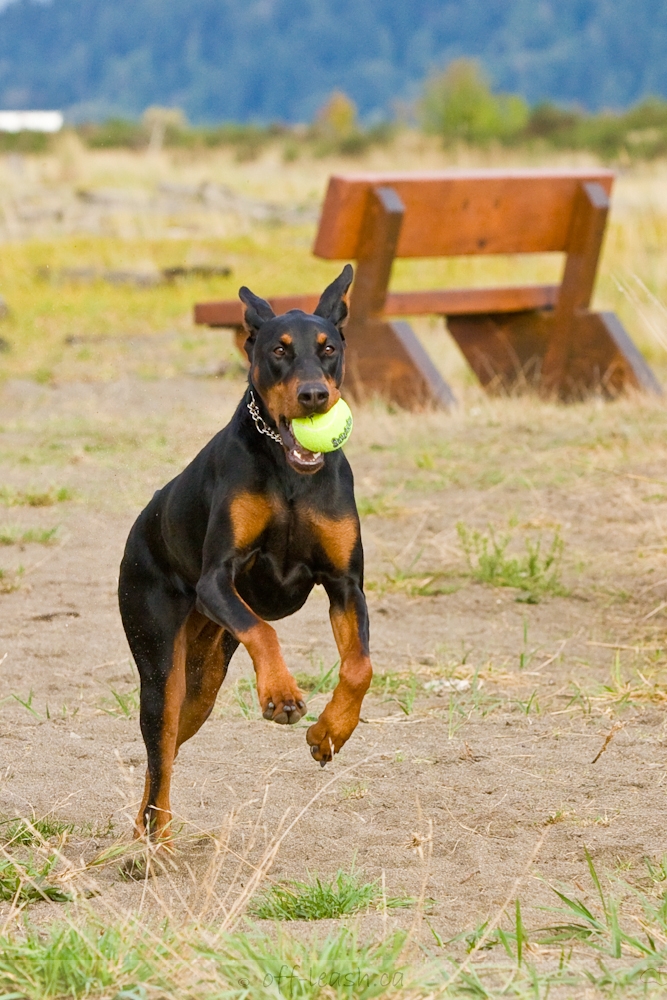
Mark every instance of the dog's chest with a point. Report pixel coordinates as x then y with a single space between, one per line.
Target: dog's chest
290 538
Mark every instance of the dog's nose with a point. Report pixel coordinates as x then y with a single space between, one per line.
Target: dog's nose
313 395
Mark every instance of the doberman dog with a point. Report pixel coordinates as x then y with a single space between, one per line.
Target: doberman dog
240 538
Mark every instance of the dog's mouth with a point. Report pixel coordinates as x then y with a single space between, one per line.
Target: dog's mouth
298 457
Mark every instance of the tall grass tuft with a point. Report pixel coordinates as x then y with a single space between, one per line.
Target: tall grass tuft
318 900
534 571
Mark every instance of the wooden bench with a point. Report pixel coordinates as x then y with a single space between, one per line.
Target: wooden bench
543 335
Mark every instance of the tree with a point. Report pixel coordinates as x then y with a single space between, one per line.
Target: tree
460 105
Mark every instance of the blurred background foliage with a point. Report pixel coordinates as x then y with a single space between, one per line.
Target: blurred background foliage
279 60
457 104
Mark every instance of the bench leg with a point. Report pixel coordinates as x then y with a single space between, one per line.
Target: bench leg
387 360
507 353
504 350
605 358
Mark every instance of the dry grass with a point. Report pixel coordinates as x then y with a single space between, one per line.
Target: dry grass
593 473
61 329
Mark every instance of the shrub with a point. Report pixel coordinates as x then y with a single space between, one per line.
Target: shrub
460 105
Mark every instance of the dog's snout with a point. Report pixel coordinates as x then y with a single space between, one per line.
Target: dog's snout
313 396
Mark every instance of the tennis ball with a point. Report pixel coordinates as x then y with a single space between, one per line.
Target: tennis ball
324 431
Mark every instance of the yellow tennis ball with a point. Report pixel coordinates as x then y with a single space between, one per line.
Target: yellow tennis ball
324 431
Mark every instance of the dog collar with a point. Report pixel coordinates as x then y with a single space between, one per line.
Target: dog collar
260 422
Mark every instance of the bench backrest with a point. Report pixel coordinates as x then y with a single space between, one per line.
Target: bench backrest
453 213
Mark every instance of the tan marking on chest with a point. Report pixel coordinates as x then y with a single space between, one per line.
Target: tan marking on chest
250 513
337 537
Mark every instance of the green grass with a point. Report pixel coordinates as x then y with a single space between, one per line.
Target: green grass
413 581
121 704
245 698
38 536
136 961
10 581
323 681
380 505
34 498
357 790
608 939
343 895
534 571
28 881
399 686
34 831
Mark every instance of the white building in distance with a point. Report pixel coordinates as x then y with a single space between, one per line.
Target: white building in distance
31 121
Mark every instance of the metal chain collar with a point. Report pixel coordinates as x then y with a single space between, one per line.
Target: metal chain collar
260 422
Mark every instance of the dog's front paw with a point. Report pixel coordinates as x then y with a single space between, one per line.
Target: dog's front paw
283 702
330 732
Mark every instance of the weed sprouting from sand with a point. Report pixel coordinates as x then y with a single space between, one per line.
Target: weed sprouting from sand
324 681
245 696
340 896
399 686
530 705
406 699
357 790
27 703
34 831
27 536
30 881
125 704
10 581
379 505
414 581
35 498
534 571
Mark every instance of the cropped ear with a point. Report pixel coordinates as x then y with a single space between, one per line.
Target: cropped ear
257 311
333 303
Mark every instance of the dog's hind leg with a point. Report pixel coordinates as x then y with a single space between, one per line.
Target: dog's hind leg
209 648
162 694
154 616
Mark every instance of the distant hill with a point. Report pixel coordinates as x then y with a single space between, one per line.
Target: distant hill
269 60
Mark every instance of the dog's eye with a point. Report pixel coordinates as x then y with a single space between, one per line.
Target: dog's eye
279 351
329 349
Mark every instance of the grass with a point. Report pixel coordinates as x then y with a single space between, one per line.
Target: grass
29 881
413 581
121 704
533 571
34 498
55 329
34 831
245 697
341 896
358 790
322 682
607 941
401 687
28 536
489 459
133 960
10 581
380 505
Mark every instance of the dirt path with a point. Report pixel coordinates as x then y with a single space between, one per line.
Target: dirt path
472 776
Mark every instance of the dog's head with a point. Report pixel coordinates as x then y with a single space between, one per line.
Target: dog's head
297 361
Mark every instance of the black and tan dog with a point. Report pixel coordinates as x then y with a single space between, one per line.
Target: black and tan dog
240 538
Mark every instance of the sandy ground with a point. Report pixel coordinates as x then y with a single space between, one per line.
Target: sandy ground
454 795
